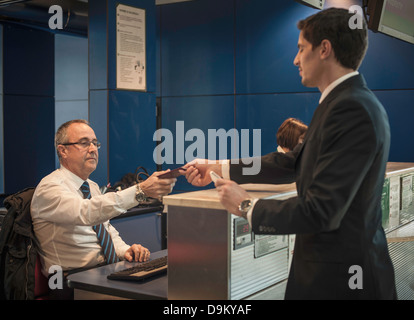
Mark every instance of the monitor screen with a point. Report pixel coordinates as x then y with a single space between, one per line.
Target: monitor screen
397 19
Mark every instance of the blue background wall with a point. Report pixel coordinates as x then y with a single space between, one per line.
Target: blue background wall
45 83
124 120
1 118
212 64
229 64
28 106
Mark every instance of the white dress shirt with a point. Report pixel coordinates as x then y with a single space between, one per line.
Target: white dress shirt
63 220
335 83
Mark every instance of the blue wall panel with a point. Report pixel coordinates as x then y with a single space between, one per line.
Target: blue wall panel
1 115
29 152
28 61
1 146
197 48
203 113
98 118
29 106
71 68
97 38
400 108
389 63
71 79
131 126
267 112
158 87
266 44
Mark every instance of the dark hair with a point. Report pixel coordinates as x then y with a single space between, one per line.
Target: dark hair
290 132
349 45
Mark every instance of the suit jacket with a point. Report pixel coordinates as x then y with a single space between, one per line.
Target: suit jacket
339 171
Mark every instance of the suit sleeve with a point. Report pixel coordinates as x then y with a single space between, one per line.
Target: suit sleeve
275 168
348 144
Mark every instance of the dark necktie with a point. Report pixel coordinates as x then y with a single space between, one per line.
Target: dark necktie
104 237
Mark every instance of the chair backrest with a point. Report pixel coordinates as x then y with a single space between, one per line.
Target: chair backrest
41 290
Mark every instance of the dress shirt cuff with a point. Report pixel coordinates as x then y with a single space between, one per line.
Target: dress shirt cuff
250 212
225 173
127 197
225 169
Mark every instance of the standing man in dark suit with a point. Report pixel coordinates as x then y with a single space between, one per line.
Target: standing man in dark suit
340 250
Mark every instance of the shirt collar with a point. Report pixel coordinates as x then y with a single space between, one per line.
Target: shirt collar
280 149
78 181
329 88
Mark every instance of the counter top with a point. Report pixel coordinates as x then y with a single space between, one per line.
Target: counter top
209 198
397 168
139 210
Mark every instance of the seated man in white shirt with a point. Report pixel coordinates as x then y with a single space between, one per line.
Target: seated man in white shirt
63 220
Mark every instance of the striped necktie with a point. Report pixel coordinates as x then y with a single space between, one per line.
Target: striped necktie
104 237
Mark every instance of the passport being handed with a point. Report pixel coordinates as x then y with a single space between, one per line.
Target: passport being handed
172 174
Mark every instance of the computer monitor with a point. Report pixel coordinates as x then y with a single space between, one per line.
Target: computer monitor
392 17
317 4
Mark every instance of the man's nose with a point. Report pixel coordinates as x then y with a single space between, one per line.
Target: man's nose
296 61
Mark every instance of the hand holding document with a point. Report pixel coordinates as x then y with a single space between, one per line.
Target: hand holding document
198 171
175 173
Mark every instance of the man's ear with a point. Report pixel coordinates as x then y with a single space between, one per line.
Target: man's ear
62 151
325 49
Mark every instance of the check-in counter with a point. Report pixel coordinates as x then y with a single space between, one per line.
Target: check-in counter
214 255
398 223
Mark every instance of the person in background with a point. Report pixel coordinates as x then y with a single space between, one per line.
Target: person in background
341 250
70 215
290 133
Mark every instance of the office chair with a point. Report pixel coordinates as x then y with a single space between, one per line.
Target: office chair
41 290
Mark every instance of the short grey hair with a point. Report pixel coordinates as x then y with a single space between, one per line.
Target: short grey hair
61 133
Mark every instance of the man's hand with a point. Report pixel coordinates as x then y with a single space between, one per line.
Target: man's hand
231 195
155 188
137 253
198 171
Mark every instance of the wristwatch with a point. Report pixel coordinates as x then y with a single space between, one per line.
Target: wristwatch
140 195
244 207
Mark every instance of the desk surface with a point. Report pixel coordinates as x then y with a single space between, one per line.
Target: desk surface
209 198
135 211
94 280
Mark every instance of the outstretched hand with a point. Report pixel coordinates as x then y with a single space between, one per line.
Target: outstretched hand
155 187
198 170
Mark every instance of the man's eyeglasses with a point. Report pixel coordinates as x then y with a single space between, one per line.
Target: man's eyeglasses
84 144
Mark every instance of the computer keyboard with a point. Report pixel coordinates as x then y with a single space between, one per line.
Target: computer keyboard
142 271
